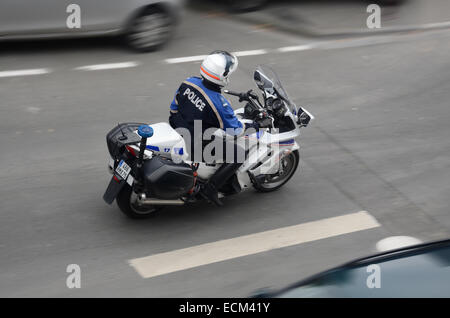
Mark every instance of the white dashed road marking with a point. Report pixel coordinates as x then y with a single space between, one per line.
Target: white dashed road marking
36 71
185 59
250 53
110 66
33 110
164 263
296 48
323 45
196 58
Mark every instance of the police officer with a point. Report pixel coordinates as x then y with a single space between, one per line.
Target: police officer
201 99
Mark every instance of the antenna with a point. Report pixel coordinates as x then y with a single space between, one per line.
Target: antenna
123 137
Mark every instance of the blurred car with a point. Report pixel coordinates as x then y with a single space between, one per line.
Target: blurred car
245 5
146 25
417 271
240 6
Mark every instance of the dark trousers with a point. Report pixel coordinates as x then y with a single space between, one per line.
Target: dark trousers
231 152
228 169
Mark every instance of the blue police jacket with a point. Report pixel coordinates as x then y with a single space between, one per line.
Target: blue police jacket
195 101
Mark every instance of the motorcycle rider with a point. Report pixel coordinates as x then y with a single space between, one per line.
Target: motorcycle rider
200 98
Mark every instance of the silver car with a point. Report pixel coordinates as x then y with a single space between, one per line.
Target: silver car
146 25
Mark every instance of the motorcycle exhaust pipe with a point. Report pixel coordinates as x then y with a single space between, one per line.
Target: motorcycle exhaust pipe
161 202
142 200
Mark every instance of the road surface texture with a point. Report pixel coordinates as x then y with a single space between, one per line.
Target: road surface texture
330 18
380 144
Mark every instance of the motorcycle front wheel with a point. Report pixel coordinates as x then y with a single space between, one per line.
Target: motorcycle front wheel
288 167
125 200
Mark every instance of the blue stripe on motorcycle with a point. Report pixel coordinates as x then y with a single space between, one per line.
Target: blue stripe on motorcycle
154 148
290 141
178 151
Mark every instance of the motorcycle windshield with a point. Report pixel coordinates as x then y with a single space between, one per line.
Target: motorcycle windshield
266 79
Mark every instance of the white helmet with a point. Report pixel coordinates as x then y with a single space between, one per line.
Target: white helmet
218 66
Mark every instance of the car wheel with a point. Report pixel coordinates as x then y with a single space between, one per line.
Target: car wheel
150 30
241 6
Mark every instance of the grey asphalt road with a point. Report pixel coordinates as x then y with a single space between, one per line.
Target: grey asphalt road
380 143
338 18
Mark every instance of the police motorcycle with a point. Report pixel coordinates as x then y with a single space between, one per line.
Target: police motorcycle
151 168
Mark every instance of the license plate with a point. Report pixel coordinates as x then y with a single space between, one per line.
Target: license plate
123 170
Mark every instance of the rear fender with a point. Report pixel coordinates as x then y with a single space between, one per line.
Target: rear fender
115 185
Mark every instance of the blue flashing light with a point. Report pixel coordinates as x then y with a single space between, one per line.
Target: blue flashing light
145 131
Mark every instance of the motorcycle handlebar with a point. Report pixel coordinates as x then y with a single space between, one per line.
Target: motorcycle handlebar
226 91
263 119
242 96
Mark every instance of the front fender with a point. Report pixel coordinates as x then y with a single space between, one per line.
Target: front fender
271 164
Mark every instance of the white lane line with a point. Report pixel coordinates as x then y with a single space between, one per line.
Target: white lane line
196 58
36 71
435 25
33 110
109 66
321 45
164 263
185 59
303 47
251 52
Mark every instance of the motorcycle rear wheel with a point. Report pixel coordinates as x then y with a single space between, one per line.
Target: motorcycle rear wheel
125 203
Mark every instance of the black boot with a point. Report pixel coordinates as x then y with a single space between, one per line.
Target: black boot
220 177
210 193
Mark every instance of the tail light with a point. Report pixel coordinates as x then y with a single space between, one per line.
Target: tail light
131 150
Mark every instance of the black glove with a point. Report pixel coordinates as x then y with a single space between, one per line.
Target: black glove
263 120
247 95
